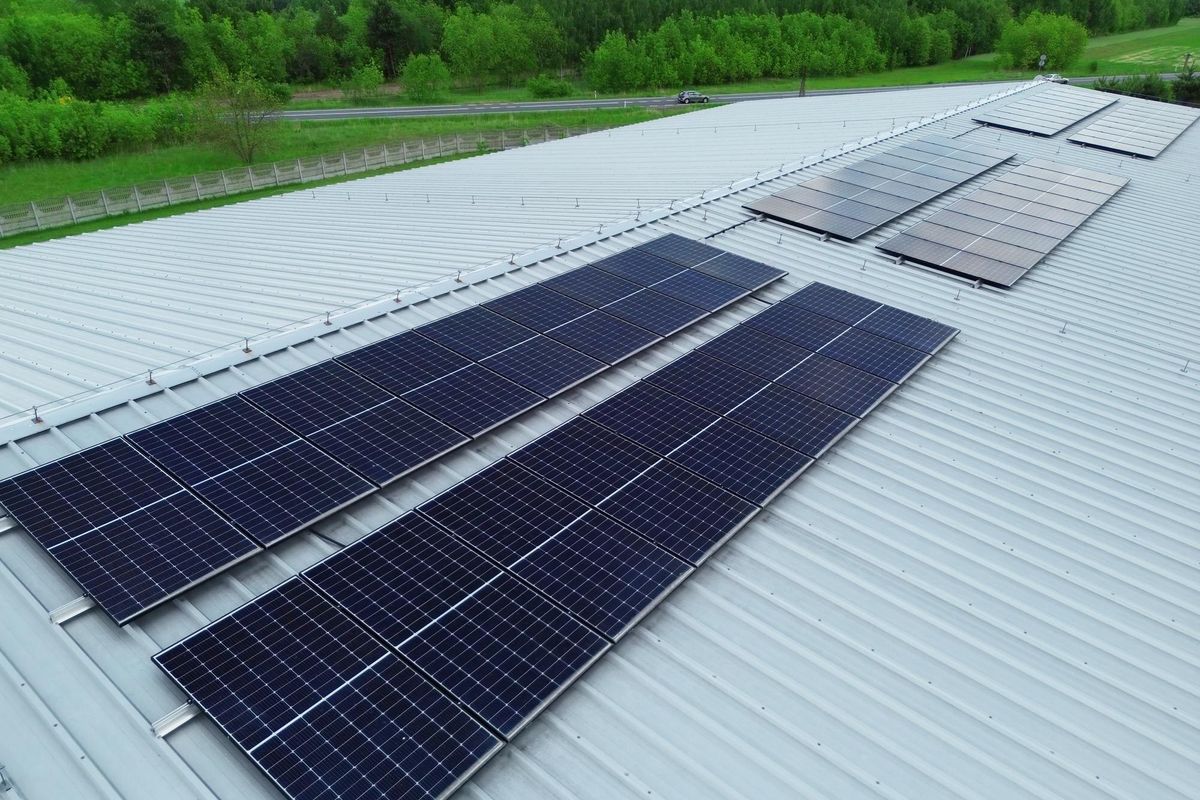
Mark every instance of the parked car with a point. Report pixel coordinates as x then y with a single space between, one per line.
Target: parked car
1053 77
690 96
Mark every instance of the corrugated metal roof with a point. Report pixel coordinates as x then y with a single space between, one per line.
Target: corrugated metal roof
990 589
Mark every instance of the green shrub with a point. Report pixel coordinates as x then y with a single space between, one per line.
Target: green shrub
548 86
425 76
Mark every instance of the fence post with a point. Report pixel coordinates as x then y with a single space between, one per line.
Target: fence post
137 197
167 191
322 162
440 146
71 209
300 170
250 177
224 183
345 169
503 144
364 169
545 134
196 186
104 200
422 149
275 172
457 143
386 160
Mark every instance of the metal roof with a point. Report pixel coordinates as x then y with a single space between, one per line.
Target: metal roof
990 589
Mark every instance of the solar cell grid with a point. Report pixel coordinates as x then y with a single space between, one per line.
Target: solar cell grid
655 312
796 324
403 362
473 400
604 337
543 365
740 271
707 382
741 461
829 301
652 417
639 266
588 460
317 397
874 354
1046 112
764 355
538 308
591 286
683 251
703 291
475 333
842 386
794 420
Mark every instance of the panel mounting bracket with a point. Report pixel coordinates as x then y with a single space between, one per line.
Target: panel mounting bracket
71 610
6 784
167 724
7 523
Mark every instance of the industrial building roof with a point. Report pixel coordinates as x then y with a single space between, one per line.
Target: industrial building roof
988 590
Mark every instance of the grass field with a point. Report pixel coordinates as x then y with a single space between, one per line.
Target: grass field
20 183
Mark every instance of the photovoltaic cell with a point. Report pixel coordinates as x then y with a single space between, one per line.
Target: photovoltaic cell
592 286
794 420
1139 130
652 417
741 461
604 337
703 291
683 251
707 382
473 400
538 308
907 328
874 354
403 362
1047 112
836 384
250 468
639 266
543 365
475 333
587 459
740 271
834 303
797 325
655 312
764 355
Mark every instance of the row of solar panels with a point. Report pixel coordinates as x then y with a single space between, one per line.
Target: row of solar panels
396 666
138 519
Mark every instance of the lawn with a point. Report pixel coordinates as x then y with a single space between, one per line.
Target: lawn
21 183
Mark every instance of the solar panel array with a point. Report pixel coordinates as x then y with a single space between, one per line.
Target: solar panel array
1138 130
1002 230
1050 111
857 199
281 456
502 589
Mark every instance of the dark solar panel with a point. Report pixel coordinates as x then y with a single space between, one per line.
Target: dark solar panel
707 382
679 511
876 355
317 397
475 333
638 266
1046 112
907 328
473 400
403 362
840 385
586 459
701 290
603 573
740 271
538 308
504 511
324 709
797 325
741 461
681 250
262 476
652 417
604 337
1137 130
833 303
764 355
592 286
794 420
544 365
655 312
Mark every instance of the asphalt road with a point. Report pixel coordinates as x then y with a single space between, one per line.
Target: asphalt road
574 105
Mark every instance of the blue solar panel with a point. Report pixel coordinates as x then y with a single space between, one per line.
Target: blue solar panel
876 355
323 708
679 511
701 290
638 267
475 333
538 308
544 365
687 252
707 382
921 333
592 286
356 422
741 461
833 303
652 417
504 511
754 351
740 271
586 459
473 400
794 420
797 325
604 337
655 312
504 651
403 362
603 573
252 469
839 385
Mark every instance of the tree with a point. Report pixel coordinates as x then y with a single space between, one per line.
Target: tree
239 112
364 82
1059 37
425 76
469 45
157 44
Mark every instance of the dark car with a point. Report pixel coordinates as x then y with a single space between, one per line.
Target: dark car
690 96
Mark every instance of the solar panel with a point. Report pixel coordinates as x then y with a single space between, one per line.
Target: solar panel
592 286
834 303
504 511
1047 112
707 382
1002 230
639 266
475 333
874 354
836 384
473 400
855 200
320 706
262 476
679 511
741 461
701 290
655 312
754 351
124 530
544 365
588 460
740 271
538 308
683 251
1141 130
359 424
794 420
403 362
652 417
797 325
604 337
907 328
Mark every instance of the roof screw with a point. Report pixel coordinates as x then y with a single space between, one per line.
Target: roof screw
957 295
577 202
637 217
705 215
672 206
512 258
458 277
558 244
824 237
522 202
150 378
863 268
472 199
600 229
327 322
246 346
397 295
1064 328
37 418
780 239
427 197
1186 364
347 195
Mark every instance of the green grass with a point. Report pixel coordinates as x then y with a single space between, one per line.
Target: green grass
20 183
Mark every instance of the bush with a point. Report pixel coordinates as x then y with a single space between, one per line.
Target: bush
425 77
548 86
363 84
1150 86
1059 37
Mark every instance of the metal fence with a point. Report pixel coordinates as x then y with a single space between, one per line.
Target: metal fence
40 215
